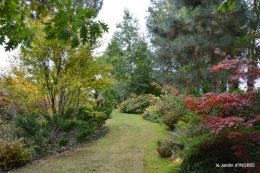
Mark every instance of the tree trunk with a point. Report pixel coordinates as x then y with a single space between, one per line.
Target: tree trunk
214 81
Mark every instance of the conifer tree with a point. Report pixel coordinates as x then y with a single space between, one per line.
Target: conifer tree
185 35
127 51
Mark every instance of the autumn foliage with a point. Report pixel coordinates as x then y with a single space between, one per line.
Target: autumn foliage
234 115
225 104
240 68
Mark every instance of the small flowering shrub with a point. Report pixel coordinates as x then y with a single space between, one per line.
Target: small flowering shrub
12 155
137 104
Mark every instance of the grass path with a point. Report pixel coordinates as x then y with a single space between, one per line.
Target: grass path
129 147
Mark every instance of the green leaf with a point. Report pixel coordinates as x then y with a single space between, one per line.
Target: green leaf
62 25
104 26
10 45
87 13
47 28
227 5
66 34
84 34
75 42
2 39
50 35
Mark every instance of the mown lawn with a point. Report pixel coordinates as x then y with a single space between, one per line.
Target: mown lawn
129 147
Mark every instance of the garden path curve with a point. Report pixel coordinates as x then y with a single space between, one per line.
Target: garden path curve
129 147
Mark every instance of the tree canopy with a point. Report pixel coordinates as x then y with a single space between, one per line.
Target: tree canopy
56 76
127 52
67 20
185 35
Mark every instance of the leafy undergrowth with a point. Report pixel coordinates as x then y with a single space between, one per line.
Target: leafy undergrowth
130 146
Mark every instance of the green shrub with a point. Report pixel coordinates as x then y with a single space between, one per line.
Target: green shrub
174 108
69 113
155 110
137 104
94 114
201 150
254 151
166 147
12 154
154 118
191 119
83 114
69 125
63 142
169 109
81 136
205 151
34 129
45 134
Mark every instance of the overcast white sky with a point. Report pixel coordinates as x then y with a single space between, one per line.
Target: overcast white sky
111 13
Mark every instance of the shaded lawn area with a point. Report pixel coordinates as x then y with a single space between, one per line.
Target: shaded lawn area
129 147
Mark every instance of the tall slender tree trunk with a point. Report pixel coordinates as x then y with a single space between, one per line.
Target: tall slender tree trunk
214 81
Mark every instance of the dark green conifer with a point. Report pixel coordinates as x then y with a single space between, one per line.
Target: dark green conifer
185 35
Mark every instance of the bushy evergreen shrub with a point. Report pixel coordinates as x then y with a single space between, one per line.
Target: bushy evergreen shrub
96 114
81 136
63 142
45 134
68 125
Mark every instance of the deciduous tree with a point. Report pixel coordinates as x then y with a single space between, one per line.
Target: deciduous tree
69 20
58 76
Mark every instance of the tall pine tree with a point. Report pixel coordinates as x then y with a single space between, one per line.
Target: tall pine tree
185 35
